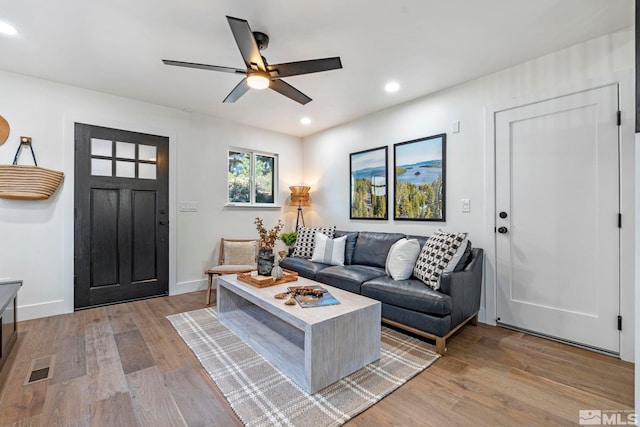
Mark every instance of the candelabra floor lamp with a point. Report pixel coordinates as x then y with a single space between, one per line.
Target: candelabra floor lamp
299 198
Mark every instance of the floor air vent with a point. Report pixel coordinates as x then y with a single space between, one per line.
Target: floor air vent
40 370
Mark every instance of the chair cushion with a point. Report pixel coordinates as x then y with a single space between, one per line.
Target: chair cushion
231 268
435 255
306 240
348 277
411 294
239 253
329 251
303 267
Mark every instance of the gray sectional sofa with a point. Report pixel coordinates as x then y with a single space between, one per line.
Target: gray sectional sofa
407 304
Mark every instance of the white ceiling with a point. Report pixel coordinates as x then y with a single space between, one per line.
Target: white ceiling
116 46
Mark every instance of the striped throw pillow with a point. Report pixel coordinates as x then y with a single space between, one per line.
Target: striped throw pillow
329 251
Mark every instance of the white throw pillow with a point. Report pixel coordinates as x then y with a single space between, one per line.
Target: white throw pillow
456 258
329 251
401 258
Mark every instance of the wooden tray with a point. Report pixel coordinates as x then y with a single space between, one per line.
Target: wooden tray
266 281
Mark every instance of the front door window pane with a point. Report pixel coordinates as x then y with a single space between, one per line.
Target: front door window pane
146 171
125 150
125 169
101 147
101 167
147 152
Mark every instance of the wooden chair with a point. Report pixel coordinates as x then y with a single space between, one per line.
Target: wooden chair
226 262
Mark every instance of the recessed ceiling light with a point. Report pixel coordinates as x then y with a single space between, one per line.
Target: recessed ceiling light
392 87
305 120
7 29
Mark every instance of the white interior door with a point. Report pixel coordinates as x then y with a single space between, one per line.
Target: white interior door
557 205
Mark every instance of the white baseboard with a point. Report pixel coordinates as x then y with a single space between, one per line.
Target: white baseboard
44 309
190 286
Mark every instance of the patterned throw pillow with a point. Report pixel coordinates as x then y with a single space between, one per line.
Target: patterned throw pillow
435 255
306 240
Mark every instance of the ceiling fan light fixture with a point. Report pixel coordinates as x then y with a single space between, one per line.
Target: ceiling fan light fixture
258 80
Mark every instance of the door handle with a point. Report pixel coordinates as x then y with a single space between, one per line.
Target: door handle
502 230
502 215
164 222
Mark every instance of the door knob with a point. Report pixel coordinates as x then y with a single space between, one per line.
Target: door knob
164 222
502 215
502 230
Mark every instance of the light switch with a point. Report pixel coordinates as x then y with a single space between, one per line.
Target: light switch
455 127
188 206
465 205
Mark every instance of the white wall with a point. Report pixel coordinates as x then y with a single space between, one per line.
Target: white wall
469 174
37 236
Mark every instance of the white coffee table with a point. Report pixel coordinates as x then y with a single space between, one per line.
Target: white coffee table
314 346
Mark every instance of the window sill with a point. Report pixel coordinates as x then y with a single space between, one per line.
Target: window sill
245 206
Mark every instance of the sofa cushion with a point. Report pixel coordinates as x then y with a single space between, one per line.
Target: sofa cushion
303 267
435 255
306 239
411 294
372 248
329 251
401 258
352 236
348 277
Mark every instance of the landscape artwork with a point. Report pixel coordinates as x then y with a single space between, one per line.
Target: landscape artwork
369 184
419 183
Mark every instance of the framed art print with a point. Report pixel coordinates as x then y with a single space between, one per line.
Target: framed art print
368 173
419 179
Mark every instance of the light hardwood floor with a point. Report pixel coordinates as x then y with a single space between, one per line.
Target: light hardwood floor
124 365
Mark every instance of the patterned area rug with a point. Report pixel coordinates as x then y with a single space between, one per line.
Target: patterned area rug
261 395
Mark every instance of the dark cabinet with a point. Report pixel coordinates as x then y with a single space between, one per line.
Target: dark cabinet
8 317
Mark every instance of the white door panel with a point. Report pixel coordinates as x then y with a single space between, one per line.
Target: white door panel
557 183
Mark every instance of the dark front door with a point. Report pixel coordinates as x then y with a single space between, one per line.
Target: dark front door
122 216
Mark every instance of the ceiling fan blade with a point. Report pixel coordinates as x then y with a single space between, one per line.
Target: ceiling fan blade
237 92
289 91
204 66
304 67
246 43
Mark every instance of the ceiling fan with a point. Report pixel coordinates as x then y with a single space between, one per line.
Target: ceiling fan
259 74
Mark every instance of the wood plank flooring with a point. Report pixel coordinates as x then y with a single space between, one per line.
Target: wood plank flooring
124 365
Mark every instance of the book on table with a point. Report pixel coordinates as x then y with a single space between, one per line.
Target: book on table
312 300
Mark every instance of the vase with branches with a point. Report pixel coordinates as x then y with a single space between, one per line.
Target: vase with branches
266 242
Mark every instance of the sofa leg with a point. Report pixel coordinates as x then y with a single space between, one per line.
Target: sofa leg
474 320
441 345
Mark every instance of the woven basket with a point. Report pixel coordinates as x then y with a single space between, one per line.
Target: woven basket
28 182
